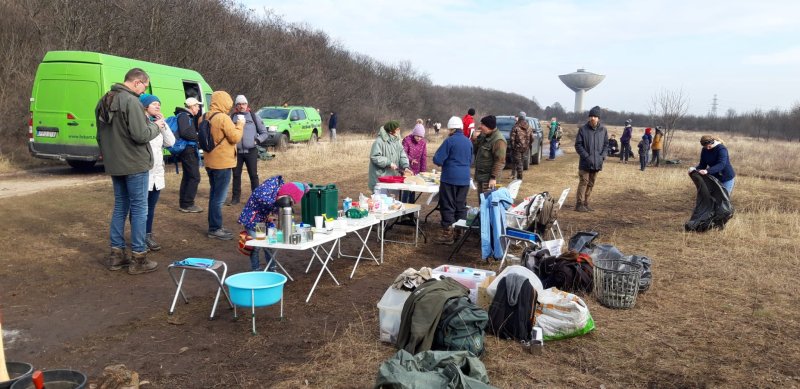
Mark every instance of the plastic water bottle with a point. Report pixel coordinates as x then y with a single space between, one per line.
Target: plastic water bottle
348 202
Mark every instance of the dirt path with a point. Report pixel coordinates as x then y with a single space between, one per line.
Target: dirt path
26 182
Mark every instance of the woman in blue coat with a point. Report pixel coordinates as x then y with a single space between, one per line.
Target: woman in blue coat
714 161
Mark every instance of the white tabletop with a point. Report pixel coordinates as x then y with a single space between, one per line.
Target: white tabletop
318 240
350 225
407 208
429 188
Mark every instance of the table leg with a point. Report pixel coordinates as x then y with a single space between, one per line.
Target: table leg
324 267
361 252
273 256
179 284
416 230
315 254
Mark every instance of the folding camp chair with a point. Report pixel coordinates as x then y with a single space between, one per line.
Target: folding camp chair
556 226
520 238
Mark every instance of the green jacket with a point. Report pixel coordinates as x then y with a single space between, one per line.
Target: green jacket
490 156
422 311
125 139
386 150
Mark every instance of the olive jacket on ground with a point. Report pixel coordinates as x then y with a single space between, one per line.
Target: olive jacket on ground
422 311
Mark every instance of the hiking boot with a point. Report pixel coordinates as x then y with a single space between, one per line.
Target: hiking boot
140 264
151 243
581 208
192 209
231 202
220 234
588 208
446 236
116 259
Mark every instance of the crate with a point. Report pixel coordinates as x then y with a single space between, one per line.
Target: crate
616 282
390 310
466 276
319 199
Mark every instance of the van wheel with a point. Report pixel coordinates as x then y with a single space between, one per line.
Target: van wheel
81 165
283 142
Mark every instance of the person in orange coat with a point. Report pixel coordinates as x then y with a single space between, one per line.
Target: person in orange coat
658 145
221 160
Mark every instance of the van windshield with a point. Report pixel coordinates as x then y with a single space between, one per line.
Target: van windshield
273 113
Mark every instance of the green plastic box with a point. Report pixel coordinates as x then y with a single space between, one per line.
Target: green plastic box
320 199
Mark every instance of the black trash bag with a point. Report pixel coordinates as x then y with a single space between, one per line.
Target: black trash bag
582 241
713 207
646 276
531 258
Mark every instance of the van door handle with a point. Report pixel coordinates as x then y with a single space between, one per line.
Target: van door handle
72 123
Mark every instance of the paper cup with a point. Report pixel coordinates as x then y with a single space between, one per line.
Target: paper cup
318 222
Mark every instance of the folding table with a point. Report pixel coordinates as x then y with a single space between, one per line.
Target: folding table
431 189
314 245
389 215
354 226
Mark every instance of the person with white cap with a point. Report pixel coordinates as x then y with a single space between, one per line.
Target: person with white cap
246 152
189 157
520 139
455 157
625 142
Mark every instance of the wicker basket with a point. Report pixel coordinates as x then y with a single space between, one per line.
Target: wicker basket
616 282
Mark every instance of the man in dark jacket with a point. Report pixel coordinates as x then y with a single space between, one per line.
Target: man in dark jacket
455 158
246 151
591 143
490 154
190 158
332 122
124 135
625 142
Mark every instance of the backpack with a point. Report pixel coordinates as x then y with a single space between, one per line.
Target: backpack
546 216
513 321
570 272
559 133
204 138
180 143
461 327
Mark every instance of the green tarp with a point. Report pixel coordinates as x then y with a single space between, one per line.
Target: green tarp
433 369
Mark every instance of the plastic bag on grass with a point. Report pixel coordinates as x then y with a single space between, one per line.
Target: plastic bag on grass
562 315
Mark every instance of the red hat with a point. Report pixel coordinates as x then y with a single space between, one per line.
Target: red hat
295 190
647 130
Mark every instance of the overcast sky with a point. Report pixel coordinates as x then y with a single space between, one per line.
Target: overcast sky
745 52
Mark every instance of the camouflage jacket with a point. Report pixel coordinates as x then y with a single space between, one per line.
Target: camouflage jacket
521 134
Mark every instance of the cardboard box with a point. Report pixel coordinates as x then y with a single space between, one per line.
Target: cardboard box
484 300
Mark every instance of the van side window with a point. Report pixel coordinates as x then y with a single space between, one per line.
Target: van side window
301 114
295 116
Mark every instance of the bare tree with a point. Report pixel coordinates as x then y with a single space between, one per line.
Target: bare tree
669 106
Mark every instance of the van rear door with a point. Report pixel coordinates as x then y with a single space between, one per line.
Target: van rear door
63 102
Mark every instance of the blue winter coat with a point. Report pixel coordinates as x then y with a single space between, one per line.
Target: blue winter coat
455 158
716 162
493 222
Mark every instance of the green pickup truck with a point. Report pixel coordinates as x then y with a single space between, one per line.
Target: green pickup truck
290 124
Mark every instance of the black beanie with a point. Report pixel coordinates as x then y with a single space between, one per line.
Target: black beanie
471 112
489 121
595 111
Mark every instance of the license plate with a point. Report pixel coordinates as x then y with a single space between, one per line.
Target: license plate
46 134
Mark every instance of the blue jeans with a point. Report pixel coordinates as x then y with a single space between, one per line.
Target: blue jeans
553 144
130 196
728 185
254 260
152 200
220 180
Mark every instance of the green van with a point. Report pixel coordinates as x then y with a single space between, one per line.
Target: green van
290 124
66 89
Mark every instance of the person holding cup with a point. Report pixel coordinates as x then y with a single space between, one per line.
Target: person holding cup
262 207
221 160
156 182
246 151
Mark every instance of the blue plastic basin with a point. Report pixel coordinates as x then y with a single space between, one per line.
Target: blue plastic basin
256 288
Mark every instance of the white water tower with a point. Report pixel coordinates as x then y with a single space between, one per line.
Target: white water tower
580 82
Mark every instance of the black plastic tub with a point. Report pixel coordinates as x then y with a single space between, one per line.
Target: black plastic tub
55 379
17 371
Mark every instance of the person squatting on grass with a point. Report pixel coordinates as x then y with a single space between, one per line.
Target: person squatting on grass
520 139
220 161
714 160
261 207
246 152
387 157
124 135
591 143
490 154
190 156
155 180
455 158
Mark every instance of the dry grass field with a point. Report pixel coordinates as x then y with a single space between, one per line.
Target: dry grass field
721 311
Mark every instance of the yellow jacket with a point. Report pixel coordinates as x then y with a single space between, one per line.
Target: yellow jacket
658 141
226 134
